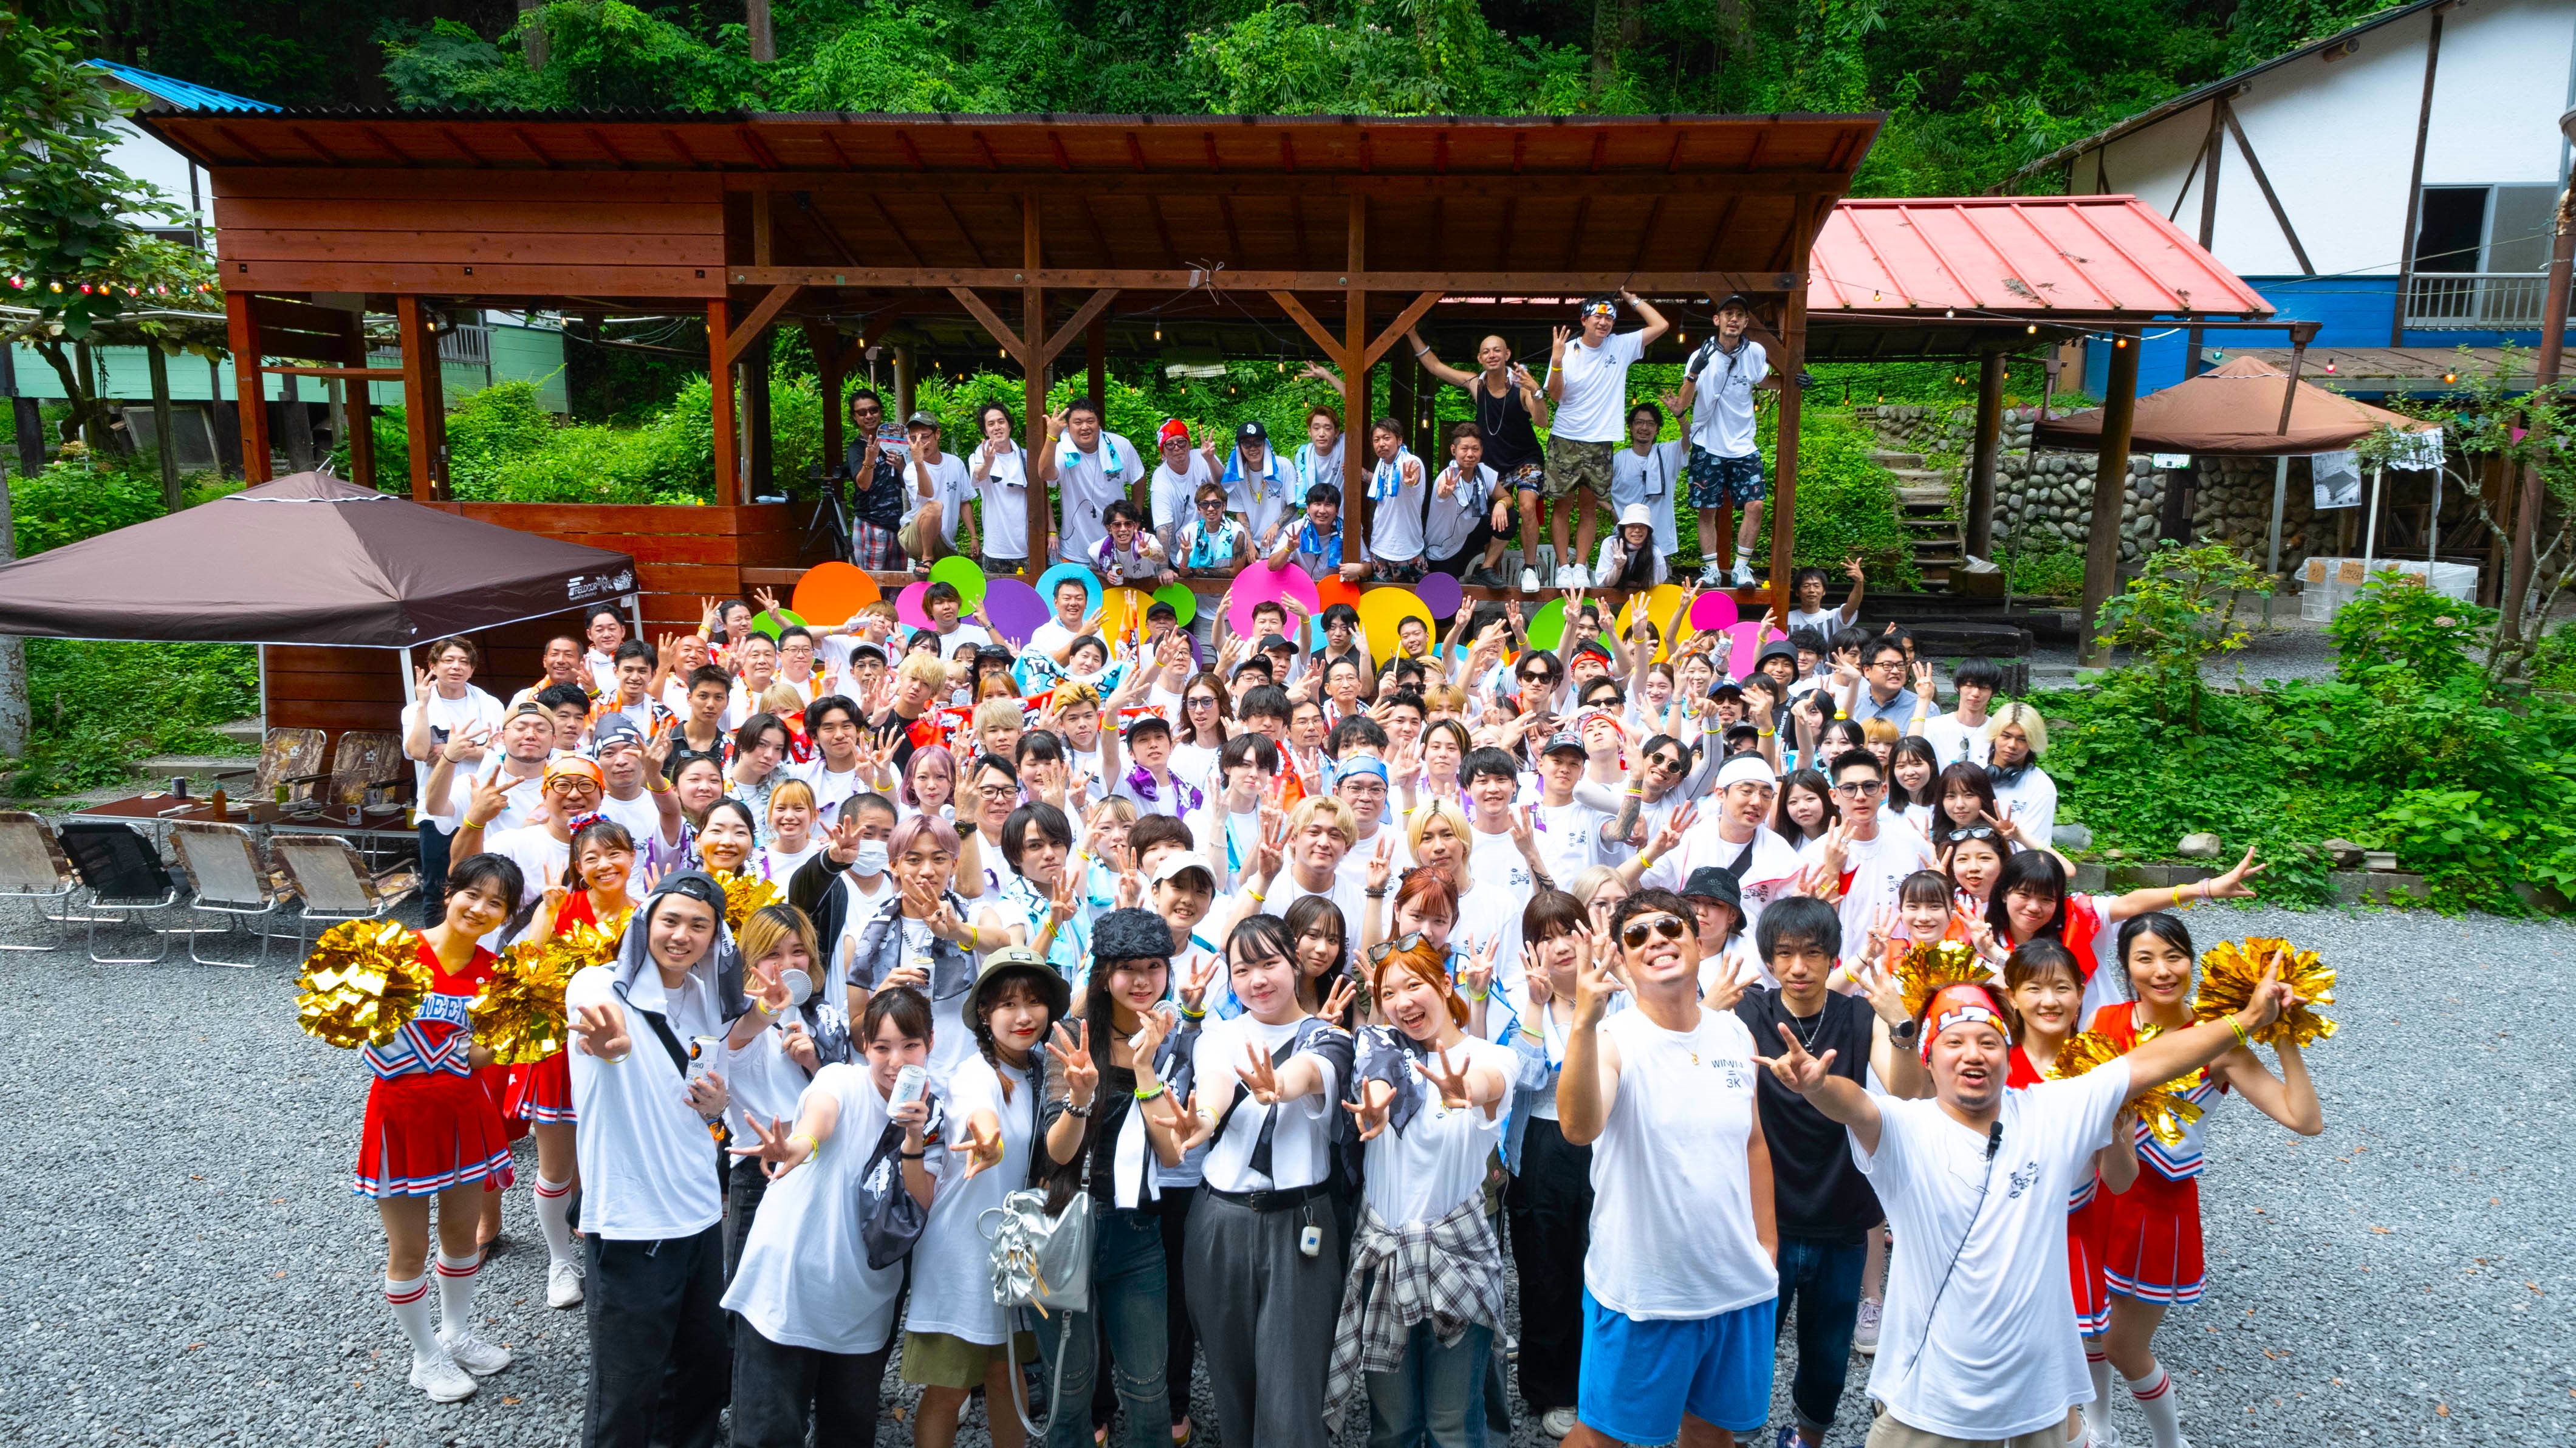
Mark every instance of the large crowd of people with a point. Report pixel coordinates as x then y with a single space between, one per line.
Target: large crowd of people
1323 969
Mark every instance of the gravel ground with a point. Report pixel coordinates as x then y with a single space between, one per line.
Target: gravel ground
193 1270
2291 649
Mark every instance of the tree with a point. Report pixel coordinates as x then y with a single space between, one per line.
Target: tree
70 247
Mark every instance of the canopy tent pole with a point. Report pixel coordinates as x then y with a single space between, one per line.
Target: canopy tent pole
2272 552
2370 528
2433 525
1989 454
635 610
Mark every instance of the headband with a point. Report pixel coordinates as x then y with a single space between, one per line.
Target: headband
575 764
1603 309
1368 764
1961 1004
1744 769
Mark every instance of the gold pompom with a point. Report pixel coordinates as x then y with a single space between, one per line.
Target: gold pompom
745 893
519 1017
363 982
1933 964
2164 1112
2229 972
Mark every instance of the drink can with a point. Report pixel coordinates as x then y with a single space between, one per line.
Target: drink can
703 1051
909 1084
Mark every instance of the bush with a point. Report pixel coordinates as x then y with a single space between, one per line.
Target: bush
97 707
2398 632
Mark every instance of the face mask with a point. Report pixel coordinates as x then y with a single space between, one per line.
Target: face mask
872 858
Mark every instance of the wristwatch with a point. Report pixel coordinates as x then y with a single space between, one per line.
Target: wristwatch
1903 1032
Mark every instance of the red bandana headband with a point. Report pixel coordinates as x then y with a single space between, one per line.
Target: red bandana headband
1960 1004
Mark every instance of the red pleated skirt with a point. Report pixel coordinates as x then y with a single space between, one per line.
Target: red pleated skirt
428 1132
2088 1234
541 1092
2153 1252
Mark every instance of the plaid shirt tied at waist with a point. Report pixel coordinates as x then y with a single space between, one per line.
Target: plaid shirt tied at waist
1449 1271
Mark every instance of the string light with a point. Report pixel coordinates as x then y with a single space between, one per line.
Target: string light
2033 329
1158 331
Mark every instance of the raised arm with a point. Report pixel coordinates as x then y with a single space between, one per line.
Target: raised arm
1433 365
2177 1053
1656 325
1588 1085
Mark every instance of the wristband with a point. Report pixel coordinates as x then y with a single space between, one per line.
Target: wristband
2241 1038
1144 1095
1479 996
1645 861
1377 894
616 1060
1257 897
914 1155
1840 714
812 1147
1767 733
1193 1015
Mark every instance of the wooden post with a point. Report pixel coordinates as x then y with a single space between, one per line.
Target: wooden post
162 426
1784 451
2215 149
905 367
2545 369
1033 333
1355 383
1989 453
359 409
298 440
250 398
728 466
420 379
1095 345
2415 184
2110 487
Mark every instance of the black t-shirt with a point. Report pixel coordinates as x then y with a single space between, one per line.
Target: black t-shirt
1511 440
1817 1190
892 730
878 481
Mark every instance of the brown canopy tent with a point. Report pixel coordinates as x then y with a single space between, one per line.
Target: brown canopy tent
307 559
2234 410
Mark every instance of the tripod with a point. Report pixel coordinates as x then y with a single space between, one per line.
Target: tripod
831 522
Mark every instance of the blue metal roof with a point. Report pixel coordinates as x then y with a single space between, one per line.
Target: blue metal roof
186 95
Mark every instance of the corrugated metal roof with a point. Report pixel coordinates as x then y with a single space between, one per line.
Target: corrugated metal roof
182 95
2017 256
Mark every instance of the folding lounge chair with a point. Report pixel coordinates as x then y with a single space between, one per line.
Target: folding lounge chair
122 871
335 884
33 868
229 879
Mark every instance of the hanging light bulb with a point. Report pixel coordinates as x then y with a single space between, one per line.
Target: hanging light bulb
1158 331
2033 329
2119 342
53 286
2450 376
2330 369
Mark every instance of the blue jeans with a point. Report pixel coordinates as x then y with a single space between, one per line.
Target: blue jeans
1128 1296
1823 1279
1437 1398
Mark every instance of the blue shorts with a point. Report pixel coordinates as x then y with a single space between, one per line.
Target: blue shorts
1717 482
1639 1378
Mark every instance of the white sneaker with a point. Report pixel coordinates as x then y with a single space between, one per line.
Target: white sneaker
441 1378
1557 1422
1529 580
1865 1331
2100 1435
1744 575
563 1284
1572 576
473 1354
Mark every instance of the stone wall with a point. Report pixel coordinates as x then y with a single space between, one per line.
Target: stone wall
2051 495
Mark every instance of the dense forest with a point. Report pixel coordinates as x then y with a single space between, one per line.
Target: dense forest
1973 88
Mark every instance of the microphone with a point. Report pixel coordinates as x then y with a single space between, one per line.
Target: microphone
1994 1139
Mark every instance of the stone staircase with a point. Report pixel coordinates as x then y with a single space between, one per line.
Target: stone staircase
1923 504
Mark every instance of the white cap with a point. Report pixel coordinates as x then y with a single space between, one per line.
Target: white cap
1745 769
1635 515
1174 864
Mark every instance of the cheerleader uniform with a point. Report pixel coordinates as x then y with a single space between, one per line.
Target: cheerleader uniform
2088 1227
2153 1251
430 1125
542 1091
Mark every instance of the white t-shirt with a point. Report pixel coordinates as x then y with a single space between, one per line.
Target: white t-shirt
1450 521
762 1082
1395 524
804 1279
1005 491
1569 839
1672 1195
1877 866
1772 872
1722 407
1422 1173
1087 482
1259 495
2031 803
1175 495
952 1279
1954 742
781 865
830 789
1496 862
648 1167
1593 402
1303 1136
1826 621
1349 894
964 636
1655 478
2002 1357
952 487
476 710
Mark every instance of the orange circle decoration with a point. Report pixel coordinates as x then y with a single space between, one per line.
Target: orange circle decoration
1332 589
832 593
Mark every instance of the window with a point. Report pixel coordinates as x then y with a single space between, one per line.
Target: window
2479 256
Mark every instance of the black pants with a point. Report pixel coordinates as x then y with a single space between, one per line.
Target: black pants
434 860
745 1184
1549 1206
659 1364
1470 554
778 1390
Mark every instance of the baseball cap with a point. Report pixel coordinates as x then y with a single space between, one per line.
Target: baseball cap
1736 299
1564 739
1172 430
1271 642
922 419
1143 722
1181 863
1251 432
615 731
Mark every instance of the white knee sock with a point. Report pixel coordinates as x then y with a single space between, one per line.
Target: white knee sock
2155 1395
1743 553
554 1213
456 1291
2097 1414
410 1302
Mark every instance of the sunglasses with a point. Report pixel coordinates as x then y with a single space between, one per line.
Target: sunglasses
1670 927
1973 832
1385 948
1862 789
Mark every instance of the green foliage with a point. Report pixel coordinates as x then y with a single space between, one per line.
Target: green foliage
1846 502
2180 612
97 707
70 501
2399 635
2553 660
2043 564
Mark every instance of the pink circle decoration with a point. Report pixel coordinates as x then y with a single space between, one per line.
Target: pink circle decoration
1746 644
907 605
1713 611
1262 583
1440 593
1014 608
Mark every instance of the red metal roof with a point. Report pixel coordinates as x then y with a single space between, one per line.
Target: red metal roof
2017 256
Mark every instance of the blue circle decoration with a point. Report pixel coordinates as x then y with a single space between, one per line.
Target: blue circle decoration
1058 574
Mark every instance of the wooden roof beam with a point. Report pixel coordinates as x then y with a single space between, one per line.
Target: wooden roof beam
1489 283
739 340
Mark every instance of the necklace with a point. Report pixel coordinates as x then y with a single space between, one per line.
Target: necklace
1806 1037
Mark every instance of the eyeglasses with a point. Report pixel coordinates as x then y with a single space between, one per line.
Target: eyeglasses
1862 789
998 791
1204 701
1384 948
1670 927
1897 664
1211 505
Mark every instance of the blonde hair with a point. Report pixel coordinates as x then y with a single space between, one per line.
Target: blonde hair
998 711
772 926
1438 809
1337 814
924 669
1880 731
1120 806
1444 699
789 791
1068 696
2020 715
782 700
1589 882
997 686
882 608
